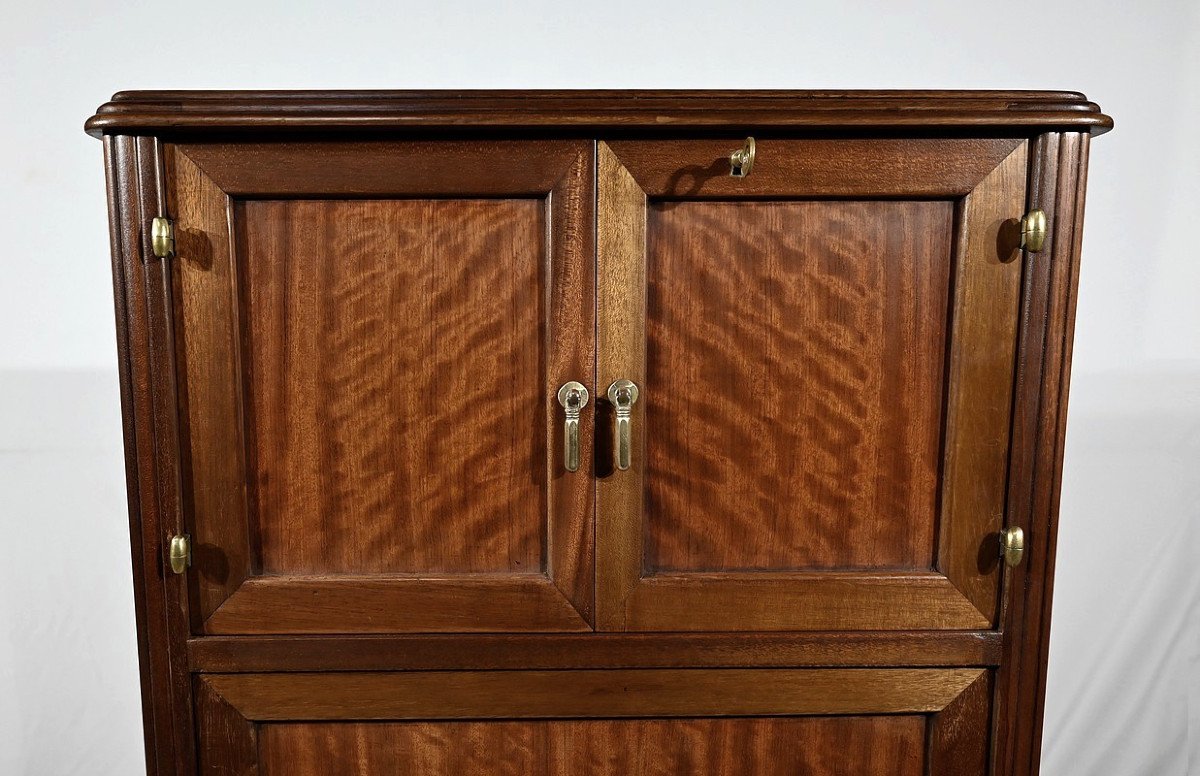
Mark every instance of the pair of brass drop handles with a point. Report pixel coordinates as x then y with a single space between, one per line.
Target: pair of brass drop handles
573 397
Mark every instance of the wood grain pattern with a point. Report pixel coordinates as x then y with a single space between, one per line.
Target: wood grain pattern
394 350
620 354
987 292
210 364
957 743
281 112
341 603
217 654
795 353
926 168
384 169
570 326
227 742
813 746
380 374
1048 313
186 356
647 584
147 399
804 601
161 357
587 694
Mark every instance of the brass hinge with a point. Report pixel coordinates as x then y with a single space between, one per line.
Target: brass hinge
1012 545
180 553
1033 231
162 237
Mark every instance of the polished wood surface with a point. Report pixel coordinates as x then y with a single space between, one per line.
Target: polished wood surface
813 746
209 379
146 367
391 346
800 465
794 383
985 312
376 603
592 651
984 112
925 657
617 693
228 742
1040 419
698 168
368 385
957 744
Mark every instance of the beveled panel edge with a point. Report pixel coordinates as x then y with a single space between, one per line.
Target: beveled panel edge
156 112
697 168
479 167
814 601
472 652
685 692
978 393
455 603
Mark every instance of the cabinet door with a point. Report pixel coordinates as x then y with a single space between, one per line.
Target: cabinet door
824 352
370 338
650 722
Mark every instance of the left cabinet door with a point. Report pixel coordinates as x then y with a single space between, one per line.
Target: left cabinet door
369 341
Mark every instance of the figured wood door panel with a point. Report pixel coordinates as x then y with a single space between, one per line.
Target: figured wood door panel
373 378
561 723
796 411
825 359
370 339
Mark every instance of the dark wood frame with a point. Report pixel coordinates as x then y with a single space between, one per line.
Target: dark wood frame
1059 124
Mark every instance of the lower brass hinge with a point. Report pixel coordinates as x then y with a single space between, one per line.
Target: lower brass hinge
162 237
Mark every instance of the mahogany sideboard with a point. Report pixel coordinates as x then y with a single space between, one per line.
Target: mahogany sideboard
594 433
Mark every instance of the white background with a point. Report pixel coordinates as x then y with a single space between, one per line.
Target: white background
1124 688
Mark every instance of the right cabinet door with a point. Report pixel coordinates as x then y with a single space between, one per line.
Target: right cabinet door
823 353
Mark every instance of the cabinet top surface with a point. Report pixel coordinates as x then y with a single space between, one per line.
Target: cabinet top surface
163 112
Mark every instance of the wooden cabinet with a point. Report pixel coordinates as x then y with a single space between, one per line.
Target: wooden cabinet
507 432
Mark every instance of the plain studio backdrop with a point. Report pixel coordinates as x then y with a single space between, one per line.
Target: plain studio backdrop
1124 683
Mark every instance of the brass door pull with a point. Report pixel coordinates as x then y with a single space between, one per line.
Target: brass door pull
741 161
573 397
1012 545
180 553
623 394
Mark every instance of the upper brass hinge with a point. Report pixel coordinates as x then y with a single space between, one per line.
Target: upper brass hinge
162 237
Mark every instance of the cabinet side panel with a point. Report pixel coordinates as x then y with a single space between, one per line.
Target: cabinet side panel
121 178
142 295
1057 185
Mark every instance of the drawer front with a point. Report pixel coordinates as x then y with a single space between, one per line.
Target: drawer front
824 351
605 723
370 337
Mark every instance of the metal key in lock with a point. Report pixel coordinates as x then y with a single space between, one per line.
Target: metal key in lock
573 397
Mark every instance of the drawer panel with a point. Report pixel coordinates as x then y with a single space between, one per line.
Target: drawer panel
697 721
813 746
